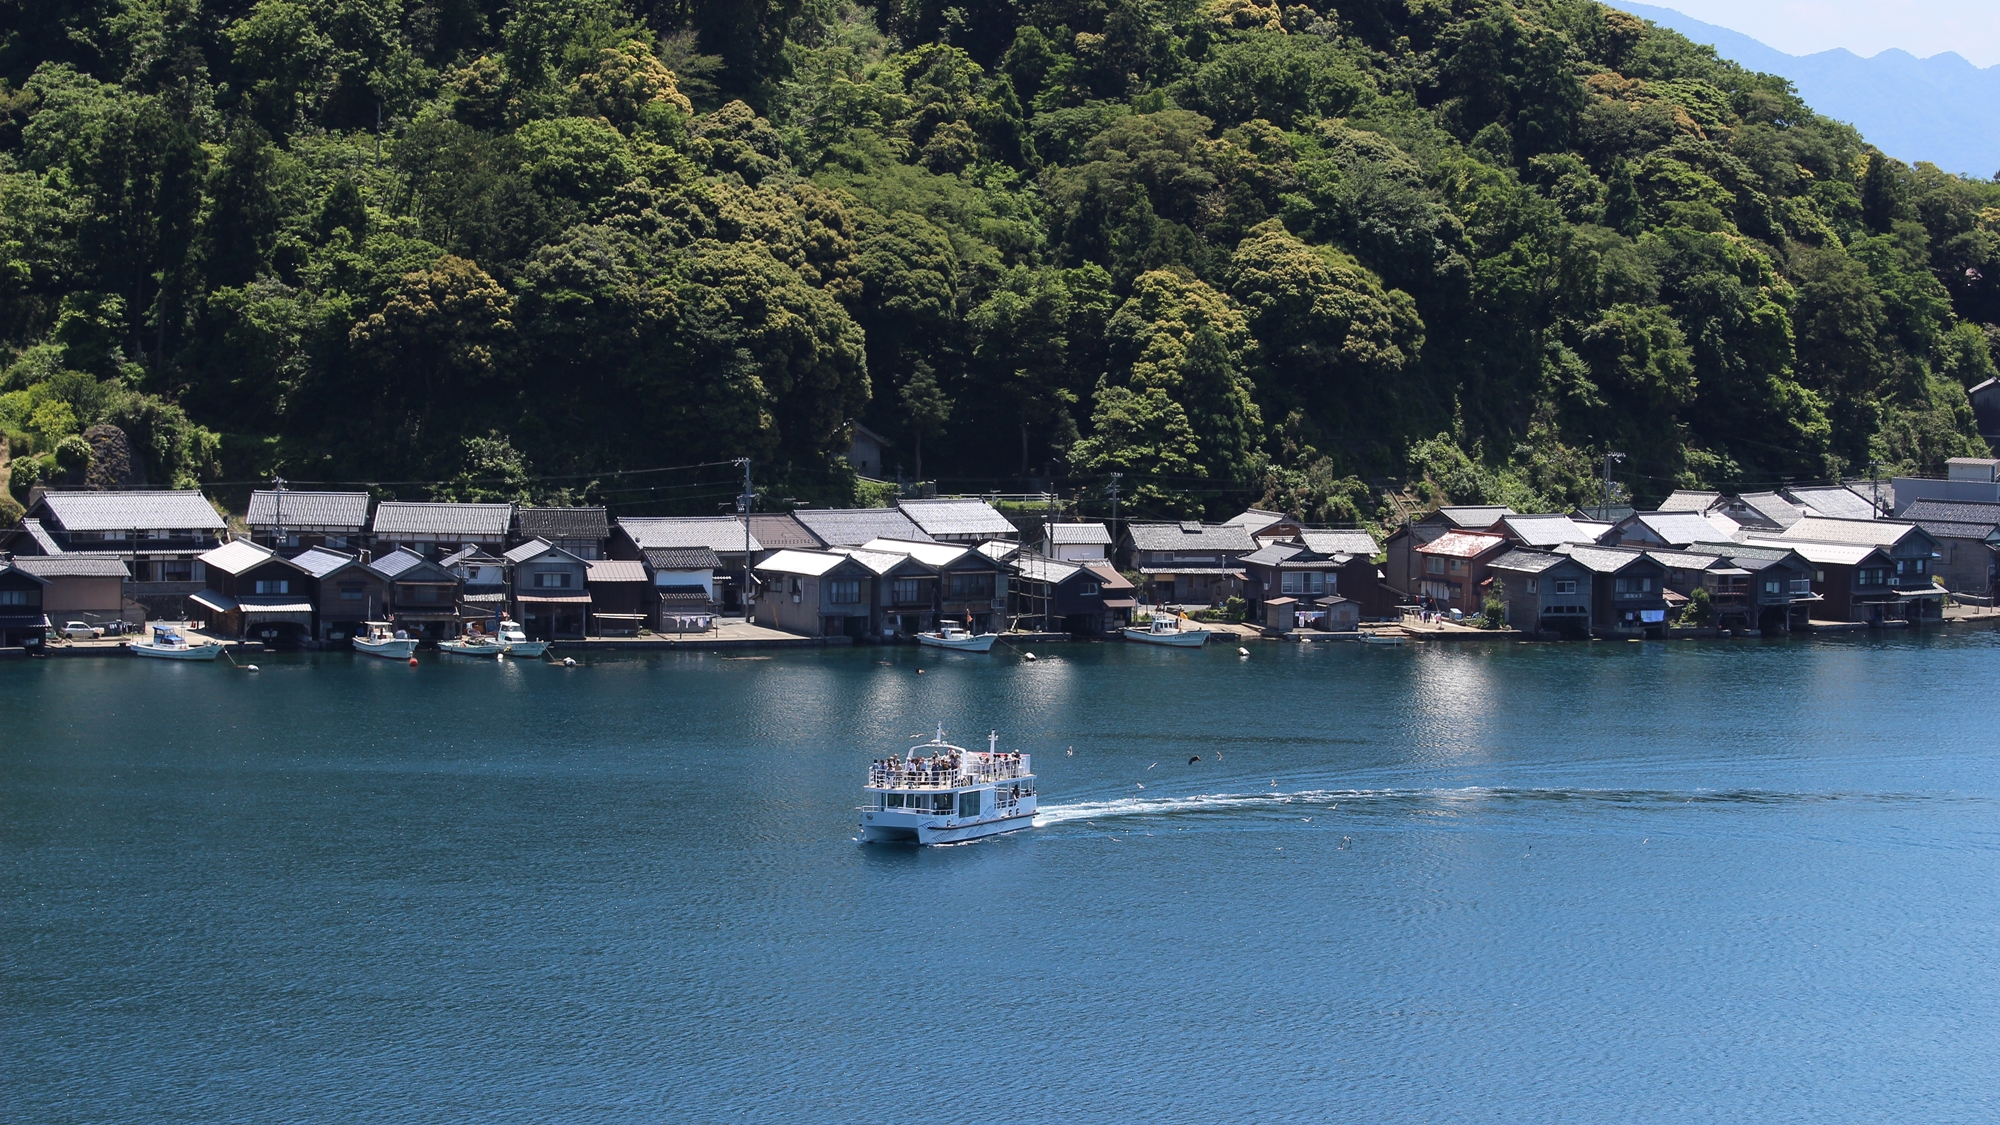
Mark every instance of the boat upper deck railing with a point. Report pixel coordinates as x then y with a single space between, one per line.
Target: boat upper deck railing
950 771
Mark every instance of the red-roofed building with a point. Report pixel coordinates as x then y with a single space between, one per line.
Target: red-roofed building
1452 568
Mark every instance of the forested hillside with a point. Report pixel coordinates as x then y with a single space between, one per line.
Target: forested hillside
1302 254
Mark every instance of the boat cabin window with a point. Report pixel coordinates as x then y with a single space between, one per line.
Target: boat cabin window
895 800
940 802
968 803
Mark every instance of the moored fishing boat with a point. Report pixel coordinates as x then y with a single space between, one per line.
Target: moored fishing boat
384 639
168 644
517 641
1164 630
473 644
938 793
959 640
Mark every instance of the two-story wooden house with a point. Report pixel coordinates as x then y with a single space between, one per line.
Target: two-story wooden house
423 596
482 582
1403 569
1189 563
1628 591
727 537
84 587
815 594
1899 588
970 587
1055 596
159 535
959 520
256 594
550 596
345 592
1454 568
289 522
435 529
1546 593
583 532
23 622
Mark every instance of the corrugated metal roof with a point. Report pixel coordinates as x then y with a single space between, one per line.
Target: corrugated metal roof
616 570
1080 535
1225 537
73 566
410 517
722 534
682 558
1676 528
1340 541
320 562
535 548
1875 533
562 523
957 517
1461 544
1035 568
851 527
132 511
398 562
345 510
239 555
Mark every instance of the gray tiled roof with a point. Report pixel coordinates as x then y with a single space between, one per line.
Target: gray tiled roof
1472 517
777 531
562 523
1948 529
407 517
1690 500
1524 561
721 534
1950 512
73 566
1191 537
1546 530
1878 533
1772 507
1035 568
616 570
1603 560
132 511
1080 535
1837 500
309 509
682 558
1340 541
533 548
1675 528
320 562
41 536
957 517
1683 560
851 527
397 562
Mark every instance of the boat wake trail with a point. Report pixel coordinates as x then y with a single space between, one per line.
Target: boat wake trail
1433 801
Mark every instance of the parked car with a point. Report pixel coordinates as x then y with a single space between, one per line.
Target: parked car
78 631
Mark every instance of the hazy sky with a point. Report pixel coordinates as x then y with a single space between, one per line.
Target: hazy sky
1801 27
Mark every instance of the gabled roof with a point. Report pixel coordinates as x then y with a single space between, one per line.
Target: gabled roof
1545 530
1740 552
410 517
1819 552
1772 507
999 550
537 548
1524 561
562 523
320 562
38 579
851 527
930 554
309 509
1275 553
1877 533
878 563
184 510
1946 529
1950 511
1461 544
402 561
1190 536
239 555
957 517
616 570
1469 517
1109 575
811 564
777 531
1256 520
1675 528
1604 560
1690 500
682 558
721 534
41 536
1682 560
1079 535
1612 513
1339 541
464 555
1839 501
73 566
1035 568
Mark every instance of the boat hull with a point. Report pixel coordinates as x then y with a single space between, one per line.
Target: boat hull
981 643
1190 638
192 652
942 830
393 650
454 648
529 650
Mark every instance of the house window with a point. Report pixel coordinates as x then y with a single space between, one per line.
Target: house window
1088 590
906 591
274 585
1304 582
1872 576
336 541
352 591
422 593
1434 566
552 579
1565 585
177 570
1531 586
14 597
845 591
1458 566
1771 586
971 587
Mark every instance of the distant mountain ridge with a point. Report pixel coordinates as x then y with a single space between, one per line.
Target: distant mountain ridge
1941 109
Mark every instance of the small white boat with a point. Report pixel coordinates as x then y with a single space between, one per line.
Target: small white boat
518 644
1166 630
384 639
473 644
952 637
938 793
170 645
1381 638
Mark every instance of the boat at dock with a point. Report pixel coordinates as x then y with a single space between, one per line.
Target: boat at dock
384 639
1382 638
1165 630
518 644
473 644
169 644
959 640
938 793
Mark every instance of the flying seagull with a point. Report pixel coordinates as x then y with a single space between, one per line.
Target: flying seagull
1193 760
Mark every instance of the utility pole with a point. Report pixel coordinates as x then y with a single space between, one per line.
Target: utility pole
1875 486
1115 478
1610 458
743 503
278 544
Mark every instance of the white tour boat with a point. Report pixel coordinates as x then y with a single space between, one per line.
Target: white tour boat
1166 630
944 794
952 637
384 639
168 644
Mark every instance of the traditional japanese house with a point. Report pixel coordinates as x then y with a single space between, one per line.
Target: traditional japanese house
23 620
1290 570
851 527
1542 532
1780 597
435 529
84 587
971 587
160 536
1627 591
779 531
1454 568
815 594
728 537
482 591
1854 501
1403 569
1266 528
1968 536
1545 593
345 592
254 593
683 586
621 601
583 532
1077 542
423 596
1668 529
289 522
1189 563
1760 511
1896 587
550 598
1055 596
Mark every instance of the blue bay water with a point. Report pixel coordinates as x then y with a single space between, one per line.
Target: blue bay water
1587 883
